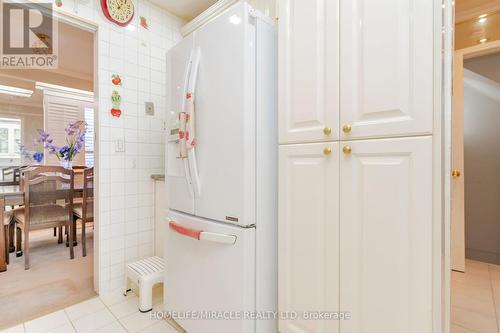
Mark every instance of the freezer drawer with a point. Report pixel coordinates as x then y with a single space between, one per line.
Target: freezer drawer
210 272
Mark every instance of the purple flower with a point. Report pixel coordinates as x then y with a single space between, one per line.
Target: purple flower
38 157
75 141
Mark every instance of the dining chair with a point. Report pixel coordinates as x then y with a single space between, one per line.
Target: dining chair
48 203
13 173
84 211
6 223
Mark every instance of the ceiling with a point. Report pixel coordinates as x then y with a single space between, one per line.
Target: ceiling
76 61
185 9
75 70
469 30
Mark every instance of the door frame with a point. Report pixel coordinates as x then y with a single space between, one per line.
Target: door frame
442 165
458 107
92 27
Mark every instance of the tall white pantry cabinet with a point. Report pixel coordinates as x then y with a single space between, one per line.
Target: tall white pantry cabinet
356 102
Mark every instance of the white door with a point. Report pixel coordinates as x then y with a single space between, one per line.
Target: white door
180 189
308 70
308 234
386 235
387 52
210 268
225 118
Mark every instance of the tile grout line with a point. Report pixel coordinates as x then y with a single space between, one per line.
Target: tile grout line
494 300
70 321
117 319
467 328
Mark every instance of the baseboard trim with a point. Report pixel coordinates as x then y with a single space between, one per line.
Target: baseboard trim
484 256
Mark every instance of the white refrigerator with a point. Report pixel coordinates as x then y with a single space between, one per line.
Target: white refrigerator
221 161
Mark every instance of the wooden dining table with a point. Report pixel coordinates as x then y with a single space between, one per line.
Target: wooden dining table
13 195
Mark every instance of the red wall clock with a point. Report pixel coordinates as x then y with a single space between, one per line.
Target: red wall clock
120 12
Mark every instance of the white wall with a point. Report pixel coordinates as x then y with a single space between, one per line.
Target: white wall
126 202
482 167
268 7
30 124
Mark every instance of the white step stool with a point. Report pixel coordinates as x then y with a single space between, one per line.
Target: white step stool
145 273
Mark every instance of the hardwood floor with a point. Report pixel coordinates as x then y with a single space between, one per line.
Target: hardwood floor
475 299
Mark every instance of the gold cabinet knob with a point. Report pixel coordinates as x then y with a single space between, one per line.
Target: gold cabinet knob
455 173
327 130
347 149
327 151
346 128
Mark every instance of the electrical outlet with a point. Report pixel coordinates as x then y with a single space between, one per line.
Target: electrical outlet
149 108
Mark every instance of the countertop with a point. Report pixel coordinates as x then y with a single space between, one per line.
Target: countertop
158 177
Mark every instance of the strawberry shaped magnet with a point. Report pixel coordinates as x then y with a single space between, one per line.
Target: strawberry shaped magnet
116 79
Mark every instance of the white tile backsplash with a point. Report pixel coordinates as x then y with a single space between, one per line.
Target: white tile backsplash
126 192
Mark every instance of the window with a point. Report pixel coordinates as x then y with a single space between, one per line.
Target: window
4 140
10 137
89 137
17 140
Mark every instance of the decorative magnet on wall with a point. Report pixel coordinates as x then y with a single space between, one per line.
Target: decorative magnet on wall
116 79
116 100
58 3
143 22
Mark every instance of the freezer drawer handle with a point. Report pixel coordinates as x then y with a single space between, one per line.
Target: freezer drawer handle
193 233
202 235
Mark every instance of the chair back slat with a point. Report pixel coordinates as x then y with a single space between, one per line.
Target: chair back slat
48 184
46 197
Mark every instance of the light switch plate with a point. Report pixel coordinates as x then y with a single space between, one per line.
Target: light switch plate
120 146
149 108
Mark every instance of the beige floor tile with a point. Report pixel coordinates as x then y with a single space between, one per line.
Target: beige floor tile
93 321
494 267
160 327
68 328
481 291
495 285
465 301
475 266
114 327
474 320
174 324
497 304
115 297
460 329
84 308
47 323
138 321
126 308
495 275
15 329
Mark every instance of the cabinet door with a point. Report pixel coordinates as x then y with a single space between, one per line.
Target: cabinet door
387 51
308 235
386 236
308 70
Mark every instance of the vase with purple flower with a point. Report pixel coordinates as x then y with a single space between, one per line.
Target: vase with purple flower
32 157
74 143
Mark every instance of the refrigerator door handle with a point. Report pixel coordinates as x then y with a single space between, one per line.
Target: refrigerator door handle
191 116
202 235
183 117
